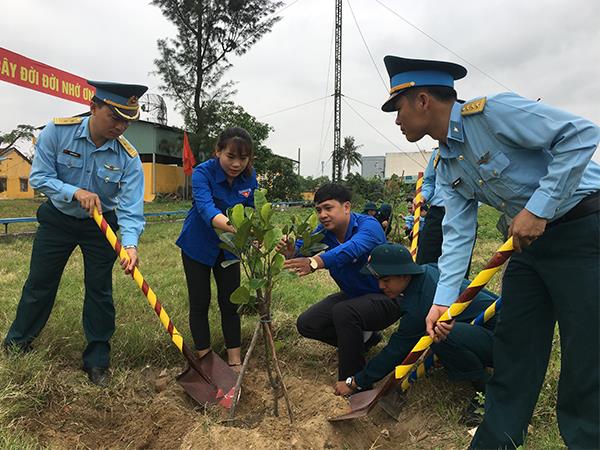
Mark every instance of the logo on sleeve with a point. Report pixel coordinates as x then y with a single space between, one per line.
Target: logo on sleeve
245 192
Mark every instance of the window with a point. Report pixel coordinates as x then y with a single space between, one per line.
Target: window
23 182
2 184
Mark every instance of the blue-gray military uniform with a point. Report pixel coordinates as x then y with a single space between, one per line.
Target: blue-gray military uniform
66 159
513 153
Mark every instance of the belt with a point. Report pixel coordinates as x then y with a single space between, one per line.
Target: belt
585 207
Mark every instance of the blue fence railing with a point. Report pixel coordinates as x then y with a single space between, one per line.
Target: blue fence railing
8 220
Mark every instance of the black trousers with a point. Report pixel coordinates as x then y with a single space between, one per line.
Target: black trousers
553 280
340 321
57 236
430 236
197 276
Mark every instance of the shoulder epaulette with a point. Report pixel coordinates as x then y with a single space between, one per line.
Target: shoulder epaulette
67 120
474 107
131 151
436 161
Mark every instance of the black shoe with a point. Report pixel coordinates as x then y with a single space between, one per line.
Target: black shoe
17 348
98 375
375 339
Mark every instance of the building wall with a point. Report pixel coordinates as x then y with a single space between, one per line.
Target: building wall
15 168
373 166
407 164
169 179
142 136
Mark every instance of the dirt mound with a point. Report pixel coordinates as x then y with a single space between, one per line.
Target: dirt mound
150 410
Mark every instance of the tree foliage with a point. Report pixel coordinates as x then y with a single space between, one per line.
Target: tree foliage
208 33
7 140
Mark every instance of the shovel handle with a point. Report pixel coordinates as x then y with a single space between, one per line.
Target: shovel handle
176 337
418 202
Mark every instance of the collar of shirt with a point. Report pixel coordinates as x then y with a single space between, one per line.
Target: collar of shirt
83 132
455 131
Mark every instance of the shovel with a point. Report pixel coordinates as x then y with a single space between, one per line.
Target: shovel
206 380
363 402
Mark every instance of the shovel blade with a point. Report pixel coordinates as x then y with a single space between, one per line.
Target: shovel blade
221 387
393 402
362 403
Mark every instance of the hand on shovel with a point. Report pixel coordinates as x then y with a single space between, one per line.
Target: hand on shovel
128 266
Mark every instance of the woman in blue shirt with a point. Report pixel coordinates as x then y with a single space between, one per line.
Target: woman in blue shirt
217 184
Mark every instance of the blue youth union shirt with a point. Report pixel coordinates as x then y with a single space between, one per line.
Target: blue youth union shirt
212 195
344 260
66 160
514 153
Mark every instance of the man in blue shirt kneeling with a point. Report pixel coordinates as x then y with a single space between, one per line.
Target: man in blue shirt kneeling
345 318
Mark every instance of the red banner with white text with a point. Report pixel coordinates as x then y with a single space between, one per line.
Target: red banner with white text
22 71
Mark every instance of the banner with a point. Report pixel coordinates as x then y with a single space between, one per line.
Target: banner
22 71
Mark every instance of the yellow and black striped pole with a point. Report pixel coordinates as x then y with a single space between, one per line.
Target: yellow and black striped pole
165 320
463 301
418 203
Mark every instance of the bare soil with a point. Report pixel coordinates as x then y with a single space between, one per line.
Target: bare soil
147 409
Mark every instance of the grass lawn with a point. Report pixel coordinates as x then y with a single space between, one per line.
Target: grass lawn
46 401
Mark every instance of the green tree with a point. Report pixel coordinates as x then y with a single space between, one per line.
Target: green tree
7 140
364 189
255 243
310 184
208 32
349 155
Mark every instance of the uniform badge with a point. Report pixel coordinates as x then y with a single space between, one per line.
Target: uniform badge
456 183
112 168
70 153
245 192
485 158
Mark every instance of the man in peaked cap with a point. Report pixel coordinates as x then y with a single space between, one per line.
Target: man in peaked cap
465 350
81 164
532 162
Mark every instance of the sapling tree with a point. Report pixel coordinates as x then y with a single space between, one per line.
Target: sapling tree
255 242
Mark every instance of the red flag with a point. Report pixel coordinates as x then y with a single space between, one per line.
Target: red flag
188 157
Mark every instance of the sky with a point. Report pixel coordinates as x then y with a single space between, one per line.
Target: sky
539 49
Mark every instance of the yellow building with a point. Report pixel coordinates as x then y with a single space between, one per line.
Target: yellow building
14 175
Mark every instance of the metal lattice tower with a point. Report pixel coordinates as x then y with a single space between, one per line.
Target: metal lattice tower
337 96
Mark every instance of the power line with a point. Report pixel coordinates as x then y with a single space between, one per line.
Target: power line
294 107
382 135
362 103
442 45
385 86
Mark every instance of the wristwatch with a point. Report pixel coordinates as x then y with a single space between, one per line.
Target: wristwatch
314 265
352 384
130 246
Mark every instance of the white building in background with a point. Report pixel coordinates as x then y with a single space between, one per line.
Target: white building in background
403 164
407 165
372 166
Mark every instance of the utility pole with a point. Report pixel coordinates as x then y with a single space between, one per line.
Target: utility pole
298 160
337 96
